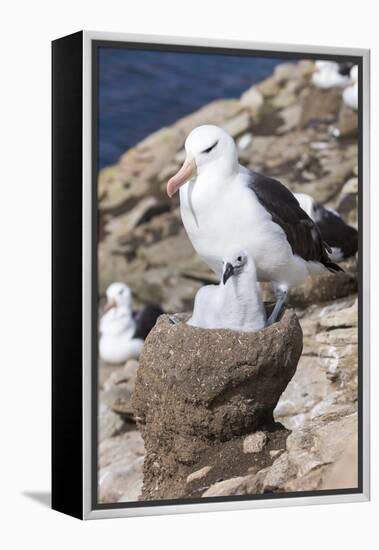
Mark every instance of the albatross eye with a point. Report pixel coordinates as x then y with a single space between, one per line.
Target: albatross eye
239 258
210 148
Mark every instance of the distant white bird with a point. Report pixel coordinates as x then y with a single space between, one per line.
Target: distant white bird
328 74
235 303
350 94
117 327
226 207
341 237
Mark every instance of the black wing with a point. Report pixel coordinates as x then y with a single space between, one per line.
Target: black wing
302 233
344 68
145 320
335 231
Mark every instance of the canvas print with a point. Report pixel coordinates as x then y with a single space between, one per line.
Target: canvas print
227 361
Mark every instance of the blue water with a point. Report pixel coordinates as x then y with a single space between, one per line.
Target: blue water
141 91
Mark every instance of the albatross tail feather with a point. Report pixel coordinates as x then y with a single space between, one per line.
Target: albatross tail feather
333 267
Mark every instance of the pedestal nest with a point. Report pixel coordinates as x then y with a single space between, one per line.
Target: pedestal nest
199 393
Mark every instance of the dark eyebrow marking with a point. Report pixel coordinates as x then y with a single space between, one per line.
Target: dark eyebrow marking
210 148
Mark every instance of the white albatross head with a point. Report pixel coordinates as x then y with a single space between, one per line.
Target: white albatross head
234 264
207 148
327 75
118 296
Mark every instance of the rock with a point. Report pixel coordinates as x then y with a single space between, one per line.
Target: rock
347 122
120 468
130 369
133 178
276 452
118 398
260 146
252 100
350 187
195 268
268 87
272 478
123 375
116 449
106 369
244 141
299 402
314 450
110 423
149 233
341 318
199 474
115 193
338 353
348 209
325 383
196 387
118 389
287 72
323 288
121 483
112 267
347 203
343 473
224 488
118 258
326 187
320 106
312 461
254 443
291 118
286 96
238 125
306 67
217 112
172 251
134 217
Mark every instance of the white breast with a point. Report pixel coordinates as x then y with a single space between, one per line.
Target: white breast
350 96
221 217
117 344
207 310
329 78
236 306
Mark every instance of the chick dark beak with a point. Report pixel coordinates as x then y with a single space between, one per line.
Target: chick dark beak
228 272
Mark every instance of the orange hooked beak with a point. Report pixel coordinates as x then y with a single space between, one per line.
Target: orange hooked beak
187 171
109 305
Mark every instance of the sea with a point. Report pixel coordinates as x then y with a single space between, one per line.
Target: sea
141 91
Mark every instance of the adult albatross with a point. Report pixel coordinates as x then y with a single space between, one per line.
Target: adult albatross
226 207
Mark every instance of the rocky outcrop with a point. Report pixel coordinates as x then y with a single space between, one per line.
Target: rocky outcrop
120 467
197 390
121 449
314 459
118 390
